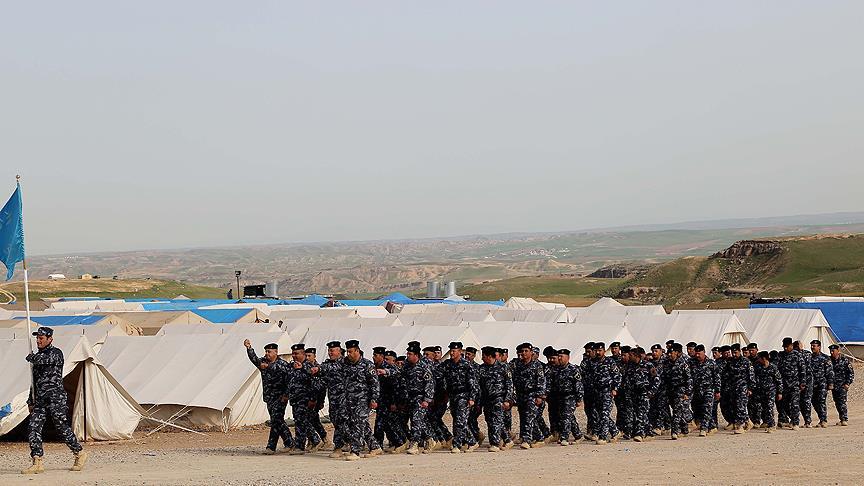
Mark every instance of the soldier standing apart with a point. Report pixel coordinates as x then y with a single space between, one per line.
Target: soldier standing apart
494 383
530 384
301 393
273 372
706 389
567 386
362 391
844 375
791 366
419 391
768 386
823 380
462 388
49 397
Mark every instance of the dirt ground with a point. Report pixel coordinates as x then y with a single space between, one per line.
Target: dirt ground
808 456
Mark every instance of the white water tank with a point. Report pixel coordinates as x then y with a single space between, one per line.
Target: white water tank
451 289
272 289
432 290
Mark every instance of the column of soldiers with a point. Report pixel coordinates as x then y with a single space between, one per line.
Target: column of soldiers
664 390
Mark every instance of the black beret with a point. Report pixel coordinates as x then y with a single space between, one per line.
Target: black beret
725 348
298 346
677 347
44 331
400 358
691 344
414 343
503 351
700 347
334 344
715 348
564 351
311 351
523 346
669 342
437 349
763 354
379 350
352 343
427 349
752 346
471 349
271 346
833 347
455 345
656 346
391 354
415 349
535 349
636 350
787 341
615 344
625 349
735 347
549 351
488 350
816 341
599 345
589 345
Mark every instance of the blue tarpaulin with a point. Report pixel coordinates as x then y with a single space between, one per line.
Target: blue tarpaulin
846 318
222 316
53 321
5 410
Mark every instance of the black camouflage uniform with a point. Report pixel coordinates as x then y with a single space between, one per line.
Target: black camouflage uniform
606 379
659 414
679 383
439 405
50 397
334 384
301 386
495 386
566 385
587 366
738 379
418 385
640 383
530 384
805 399
768 385
273 381
823 379
461 381
791 366
387 421
361 389
843 375
320 395
706 384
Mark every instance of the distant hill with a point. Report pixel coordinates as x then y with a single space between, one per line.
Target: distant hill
118 289
795 266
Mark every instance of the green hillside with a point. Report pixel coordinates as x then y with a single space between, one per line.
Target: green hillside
118 289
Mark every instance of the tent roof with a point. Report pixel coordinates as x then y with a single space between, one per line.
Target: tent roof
223 316
845 318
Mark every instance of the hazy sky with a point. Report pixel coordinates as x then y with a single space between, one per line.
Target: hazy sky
171 124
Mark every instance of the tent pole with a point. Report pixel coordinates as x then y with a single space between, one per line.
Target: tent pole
84 382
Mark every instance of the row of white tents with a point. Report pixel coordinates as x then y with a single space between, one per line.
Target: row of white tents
118 378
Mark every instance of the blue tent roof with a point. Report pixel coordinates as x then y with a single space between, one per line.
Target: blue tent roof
222 316
399 298
53 321
846 318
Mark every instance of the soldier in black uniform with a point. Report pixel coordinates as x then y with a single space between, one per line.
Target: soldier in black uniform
823 380
503 357
301 385
462 389
495 387
273 372
387 421
418 387
320 394
442 435
844 375
566 384
331 376
48 397
477 409
362 392
530 383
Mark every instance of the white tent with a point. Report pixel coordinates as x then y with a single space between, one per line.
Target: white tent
509 334
151 322
445 319
395 338
768 326
532 315
206 381
239 328
101 408
97 305
827 298
610 310
527 303
297 328
708 329
282 314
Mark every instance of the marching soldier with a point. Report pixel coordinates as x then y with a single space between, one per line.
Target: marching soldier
462 389
844 375
362 392
823 380
530 383
495 385
273 372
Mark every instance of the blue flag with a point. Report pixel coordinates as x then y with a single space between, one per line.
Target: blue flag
12 233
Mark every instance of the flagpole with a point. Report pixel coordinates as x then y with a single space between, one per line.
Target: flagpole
26 289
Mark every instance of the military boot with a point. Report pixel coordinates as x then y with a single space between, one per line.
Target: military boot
80 460
36 468
413 450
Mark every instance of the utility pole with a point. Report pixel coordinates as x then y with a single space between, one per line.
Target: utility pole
237 274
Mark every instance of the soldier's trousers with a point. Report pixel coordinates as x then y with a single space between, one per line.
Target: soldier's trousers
337 418
566 416
703 410
388 423
303 428
754 409
590 413
541 430
459 411
819 400
621 412
554 406
359 433
419 432
766 407
681 414
738 405
805 403
473 421
637 409
714 415
527 419
494 415
56 409
317 426
660 416
605 426
727 405
278 427
790 410
508 425
436 421
839 396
